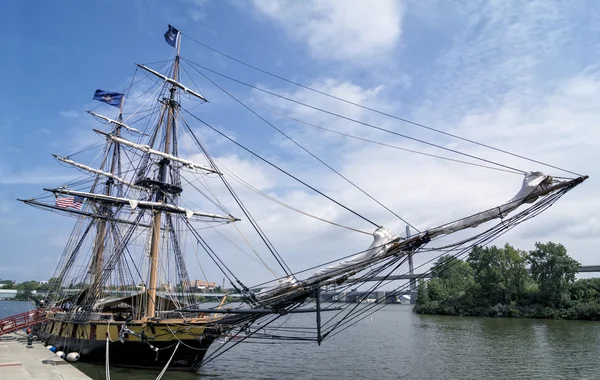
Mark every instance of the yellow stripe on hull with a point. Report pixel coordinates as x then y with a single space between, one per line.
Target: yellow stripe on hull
162 331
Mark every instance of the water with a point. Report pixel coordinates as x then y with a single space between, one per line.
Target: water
400 344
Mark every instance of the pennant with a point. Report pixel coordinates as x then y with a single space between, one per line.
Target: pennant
133 203
171 36
112 98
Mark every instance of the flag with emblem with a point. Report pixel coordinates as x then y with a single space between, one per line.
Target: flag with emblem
72 202
112 98
171 36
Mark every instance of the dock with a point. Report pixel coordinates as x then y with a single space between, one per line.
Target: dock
17 362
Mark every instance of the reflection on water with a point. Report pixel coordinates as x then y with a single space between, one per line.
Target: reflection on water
400 344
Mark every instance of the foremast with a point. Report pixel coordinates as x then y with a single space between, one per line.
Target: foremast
98 250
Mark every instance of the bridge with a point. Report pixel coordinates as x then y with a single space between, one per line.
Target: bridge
408 276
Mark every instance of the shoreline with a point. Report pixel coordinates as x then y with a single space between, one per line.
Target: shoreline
589 311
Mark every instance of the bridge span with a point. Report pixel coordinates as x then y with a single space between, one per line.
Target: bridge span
409 276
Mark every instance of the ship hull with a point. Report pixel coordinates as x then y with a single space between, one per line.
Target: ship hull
130 352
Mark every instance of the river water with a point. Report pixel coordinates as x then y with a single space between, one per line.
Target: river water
396 343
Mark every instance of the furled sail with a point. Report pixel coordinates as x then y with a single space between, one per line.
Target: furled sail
382 241
97 171
173 82
533 182
112 219
115 122
134 203
148 149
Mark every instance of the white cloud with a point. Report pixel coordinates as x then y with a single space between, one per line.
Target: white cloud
11 222
42 177
196 15
5 203
500 47
58 241
426 191
197 9
69 114
342 30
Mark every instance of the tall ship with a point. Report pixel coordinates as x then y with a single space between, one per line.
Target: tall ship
121 294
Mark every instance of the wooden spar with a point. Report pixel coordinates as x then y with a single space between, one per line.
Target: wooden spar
142 204
98 171
163 172
115 122
147 149
82 213
98 255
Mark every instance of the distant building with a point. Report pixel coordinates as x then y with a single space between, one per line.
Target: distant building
43 282
199 285
7 294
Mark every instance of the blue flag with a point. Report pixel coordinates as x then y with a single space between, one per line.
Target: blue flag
112 98
171 36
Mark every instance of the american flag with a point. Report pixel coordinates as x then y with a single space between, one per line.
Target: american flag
73 202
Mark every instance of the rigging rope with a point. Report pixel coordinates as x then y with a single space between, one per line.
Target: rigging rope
256 253
420 125
354 120
303 148
107 361
168 362
246 212
281 170
389 145
288 206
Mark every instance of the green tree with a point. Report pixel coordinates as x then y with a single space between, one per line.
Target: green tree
586 290
451 279
28 285
7 284
25 289
554 271
436 290
488 274
422 293
52 284
500 274
515 274
457 275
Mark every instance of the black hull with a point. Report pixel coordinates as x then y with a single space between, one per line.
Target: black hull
188 356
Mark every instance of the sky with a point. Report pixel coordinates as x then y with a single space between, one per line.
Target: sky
523 77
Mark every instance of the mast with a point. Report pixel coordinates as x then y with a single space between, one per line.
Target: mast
98 253
162 178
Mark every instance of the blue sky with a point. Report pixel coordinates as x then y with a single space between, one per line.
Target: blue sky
521 77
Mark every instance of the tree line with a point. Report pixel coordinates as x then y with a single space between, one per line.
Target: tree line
509 282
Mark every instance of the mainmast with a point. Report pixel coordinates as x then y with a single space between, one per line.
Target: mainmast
164 165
